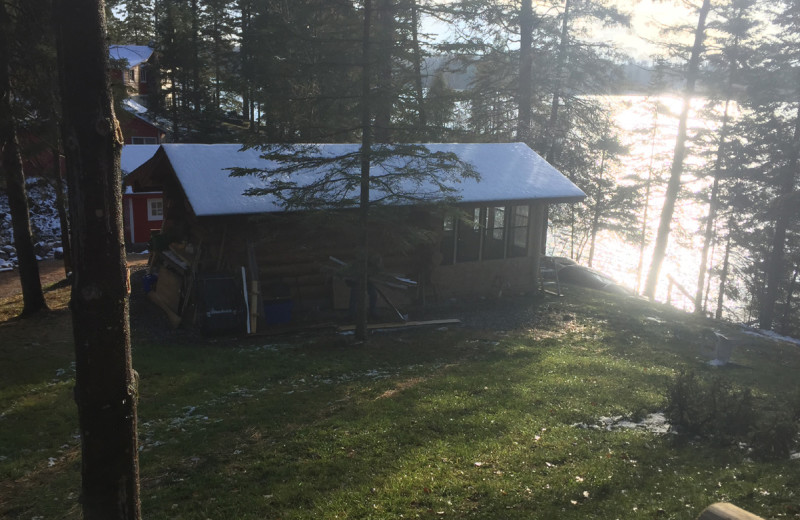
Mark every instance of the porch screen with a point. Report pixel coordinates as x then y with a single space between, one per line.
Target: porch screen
487 233
468 237
518 232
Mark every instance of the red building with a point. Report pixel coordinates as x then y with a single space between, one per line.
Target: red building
132 66
143 215
136 126
143 212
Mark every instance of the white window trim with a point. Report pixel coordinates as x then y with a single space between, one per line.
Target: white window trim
151 216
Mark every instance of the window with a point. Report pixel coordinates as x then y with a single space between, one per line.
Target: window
142 75
449 240
131 75
144 140
486 233
518 232
494 234
468 237
155 209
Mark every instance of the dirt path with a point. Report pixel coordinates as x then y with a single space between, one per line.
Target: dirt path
50 272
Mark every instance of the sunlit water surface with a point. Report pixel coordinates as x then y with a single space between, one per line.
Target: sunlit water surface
651 141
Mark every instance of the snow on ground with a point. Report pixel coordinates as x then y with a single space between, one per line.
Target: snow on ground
771 335
45 225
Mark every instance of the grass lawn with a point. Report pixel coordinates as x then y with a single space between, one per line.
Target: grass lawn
428 423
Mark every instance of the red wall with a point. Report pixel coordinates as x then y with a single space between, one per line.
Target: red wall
135 205
135 127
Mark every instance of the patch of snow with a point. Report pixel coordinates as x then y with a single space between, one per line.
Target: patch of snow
769 334
654 423
135 155
133 106
45 225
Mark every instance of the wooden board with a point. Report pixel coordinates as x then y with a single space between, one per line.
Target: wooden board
724 511
401 325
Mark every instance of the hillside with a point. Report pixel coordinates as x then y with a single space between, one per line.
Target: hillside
536 407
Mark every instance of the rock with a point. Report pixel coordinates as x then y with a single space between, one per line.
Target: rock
11 250
41 248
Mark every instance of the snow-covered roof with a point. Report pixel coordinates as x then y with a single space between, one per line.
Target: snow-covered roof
140 111
135 155
133 106
134 54
508 172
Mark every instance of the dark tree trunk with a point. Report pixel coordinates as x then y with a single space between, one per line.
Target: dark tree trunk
61 207
197 91
723 277
648 187
385 27
674 184
598 210
787 309
366 150
524 87
422 119
775 266
552 122
105 384
32 295
713 202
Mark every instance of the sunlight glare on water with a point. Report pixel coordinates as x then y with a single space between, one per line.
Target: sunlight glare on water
650 137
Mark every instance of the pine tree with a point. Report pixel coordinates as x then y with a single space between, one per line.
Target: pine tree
733 32
376 166
105 384
32 295
679 155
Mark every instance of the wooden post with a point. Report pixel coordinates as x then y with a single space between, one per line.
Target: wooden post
723 511
669 292
255 300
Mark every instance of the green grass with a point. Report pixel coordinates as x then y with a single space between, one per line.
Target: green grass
458 423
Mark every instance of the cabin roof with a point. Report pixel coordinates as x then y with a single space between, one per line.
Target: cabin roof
134 155
134 54
508 172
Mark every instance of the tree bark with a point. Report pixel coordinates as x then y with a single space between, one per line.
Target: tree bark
787 308
61 206
674 184
385 27
366 150
552 122
105 383
775 266
713 203
723 277
648 186
524 87
598 209
422 118
32 295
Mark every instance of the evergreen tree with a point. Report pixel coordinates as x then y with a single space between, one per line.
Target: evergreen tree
347 180
33 297
679 155
105 384
726 58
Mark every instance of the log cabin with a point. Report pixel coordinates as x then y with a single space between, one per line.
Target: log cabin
293 264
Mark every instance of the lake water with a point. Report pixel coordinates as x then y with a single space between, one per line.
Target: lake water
651 140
